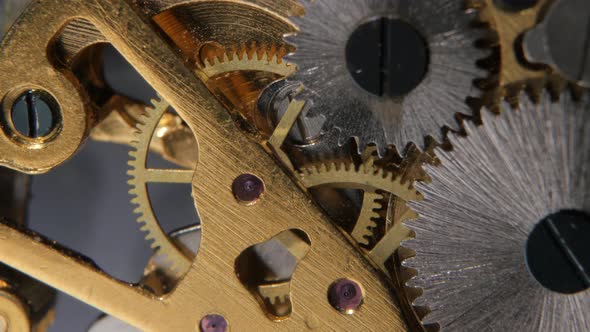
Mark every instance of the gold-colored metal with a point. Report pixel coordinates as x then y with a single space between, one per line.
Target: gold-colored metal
370 178
515 75
363 228
238 77
210 285
19 314
510 25
281 132
173 140
379 228
234 30
367 176
152 128
247 61
13 313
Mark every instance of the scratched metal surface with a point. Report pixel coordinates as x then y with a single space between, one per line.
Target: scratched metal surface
84 204
514 171
354 112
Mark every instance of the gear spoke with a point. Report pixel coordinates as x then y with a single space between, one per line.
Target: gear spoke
169 176
141 176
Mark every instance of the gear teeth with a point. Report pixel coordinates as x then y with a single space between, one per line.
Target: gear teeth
370 221
367 176
525 123
278 300
253 58
148 222
378 128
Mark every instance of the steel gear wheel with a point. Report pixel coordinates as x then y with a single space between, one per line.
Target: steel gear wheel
450 39
141 176
516 171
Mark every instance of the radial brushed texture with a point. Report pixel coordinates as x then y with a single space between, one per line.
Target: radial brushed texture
484 200
321 58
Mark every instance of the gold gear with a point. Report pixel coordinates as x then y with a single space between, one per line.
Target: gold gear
373 180
364 228
514 76
367 176
379 228
255 59
148 124
237 77
393 175
141 176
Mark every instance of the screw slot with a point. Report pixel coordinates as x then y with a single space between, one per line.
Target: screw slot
558 252
34 114
379 65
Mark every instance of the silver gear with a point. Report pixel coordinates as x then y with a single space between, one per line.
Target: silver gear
321 58
485 198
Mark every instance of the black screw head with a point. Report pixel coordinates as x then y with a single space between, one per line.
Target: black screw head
558 252
345 296
248 188
516 5
213 323
34 114
379 65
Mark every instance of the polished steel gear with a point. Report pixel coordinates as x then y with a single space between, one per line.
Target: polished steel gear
365 95
141 175
520 174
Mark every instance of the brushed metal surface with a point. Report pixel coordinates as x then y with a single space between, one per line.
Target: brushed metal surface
484 200
354 112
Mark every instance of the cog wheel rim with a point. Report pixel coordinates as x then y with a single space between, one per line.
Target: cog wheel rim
139 177
479 234
367 176
425 111
255 59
